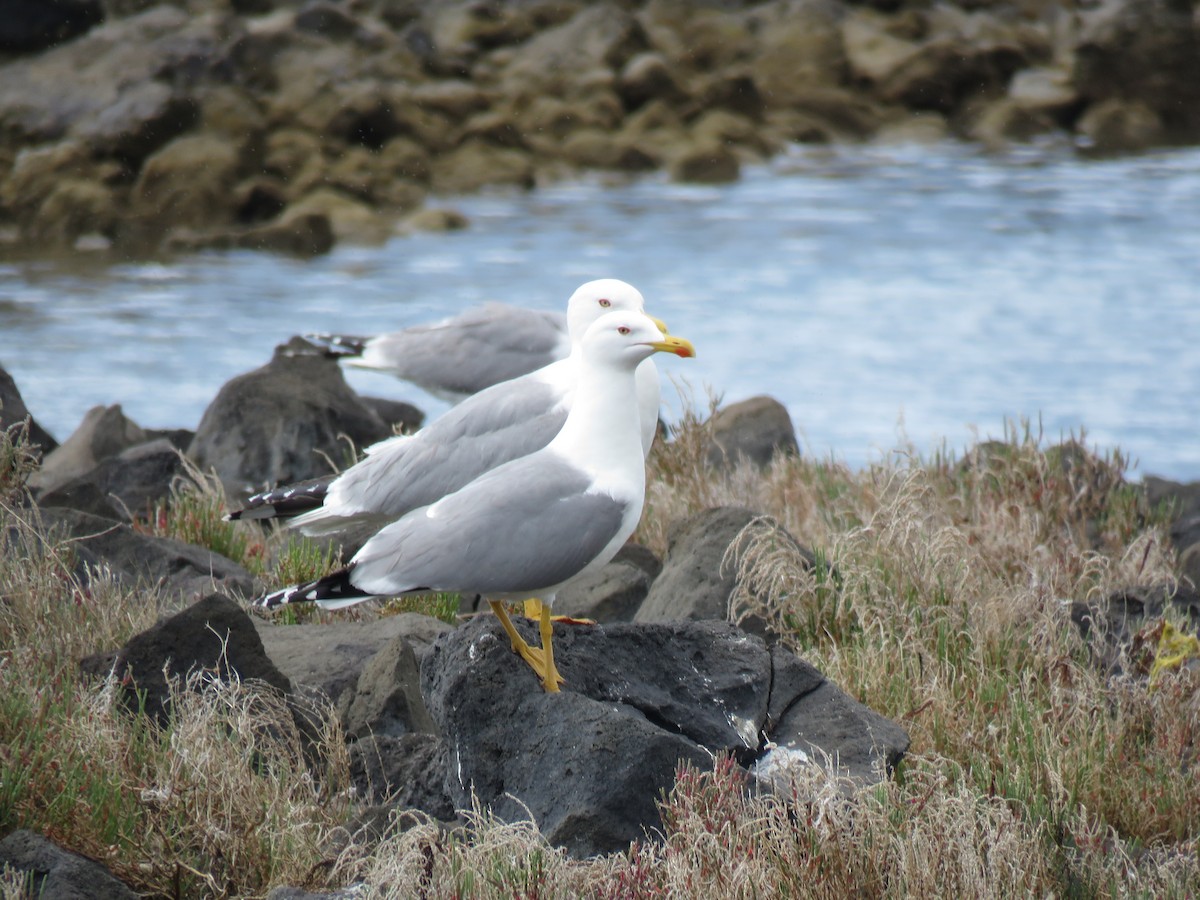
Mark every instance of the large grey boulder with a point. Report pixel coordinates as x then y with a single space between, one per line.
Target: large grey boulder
58 873
27 26
386 701
329 658
13 412
1143 52
589 763
214 635
755 430
129 485
118 89
405 771
179 571
697 579
104 432
283 422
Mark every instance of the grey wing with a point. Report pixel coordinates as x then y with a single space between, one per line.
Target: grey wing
503 405
524 527
401 474
473 351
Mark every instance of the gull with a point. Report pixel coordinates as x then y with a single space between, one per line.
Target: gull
531 525
460 356
496 425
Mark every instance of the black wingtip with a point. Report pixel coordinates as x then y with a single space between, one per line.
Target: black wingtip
332 591
284 502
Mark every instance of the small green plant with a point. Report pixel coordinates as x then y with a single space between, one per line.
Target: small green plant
441 606
18 460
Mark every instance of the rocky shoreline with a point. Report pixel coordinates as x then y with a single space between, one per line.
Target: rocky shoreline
138 128
438 716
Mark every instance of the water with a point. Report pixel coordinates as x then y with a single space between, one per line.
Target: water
885 295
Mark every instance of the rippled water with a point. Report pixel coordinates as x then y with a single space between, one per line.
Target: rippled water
884 294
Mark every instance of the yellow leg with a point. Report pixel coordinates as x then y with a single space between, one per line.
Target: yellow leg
550 679
531 656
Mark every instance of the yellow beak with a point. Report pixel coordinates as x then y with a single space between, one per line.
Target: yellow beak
677 345
662 326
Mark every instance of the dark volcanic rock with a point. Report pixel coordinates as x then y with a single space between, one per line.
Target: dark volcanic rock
387 702
1184 504
215 635
610 594
277 424
180 570
696 582
105 431
13 411
27 26
589 762
1143 51
396 413
58 873
757 430
113 87
405 771
128 484
329 658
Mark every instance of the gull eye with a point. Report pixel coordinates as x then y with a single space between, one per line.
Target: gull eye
605 303
624 329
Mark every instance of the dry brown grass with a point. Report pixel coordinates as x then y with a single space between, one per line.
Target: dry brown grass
945 606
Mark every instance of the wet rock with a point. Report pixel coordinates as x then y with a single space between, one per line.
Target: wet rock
175 569
214 635
696 582
55 872
1142 53
13 412
387 698
329 658
27 26
612 593
477 163
800 48
1119 126
326 19
707 163
435 219
588 762
110 87
191 181
692 37
600 37
129 484
405 158
303 236
104 432
1005 121
405 771
755 430
351 219
276 424
648 76
75 209
938 72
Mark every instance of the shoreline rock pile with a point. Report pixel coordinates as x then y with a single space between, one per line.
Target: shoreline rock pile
286 126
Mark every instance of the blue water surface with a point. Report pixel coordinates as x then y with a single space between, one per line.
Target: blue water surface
887 295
